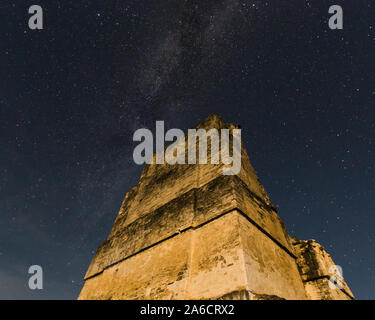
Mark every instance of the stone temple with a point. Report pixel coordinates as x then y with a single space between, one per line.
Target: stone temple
190 232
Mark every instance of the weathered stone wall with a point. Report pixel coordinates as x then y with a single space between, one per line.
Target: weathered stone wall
314 264
224 255
270 269
191 264
189 232
191 209
160 184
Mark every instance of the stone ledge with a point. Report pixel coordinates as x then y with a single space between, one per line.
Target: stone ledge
191 210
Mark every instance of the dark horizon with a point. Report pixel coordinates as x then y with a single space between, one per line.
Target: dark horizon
73 94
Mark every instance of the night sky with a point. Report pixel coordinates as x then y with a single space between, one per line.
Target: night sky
72 95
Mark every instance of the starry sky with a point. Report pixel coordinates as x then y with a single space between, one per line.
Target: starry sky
72 95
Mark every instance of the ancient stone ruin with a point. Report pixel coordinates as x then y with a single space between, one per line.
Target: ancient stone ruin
190 232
